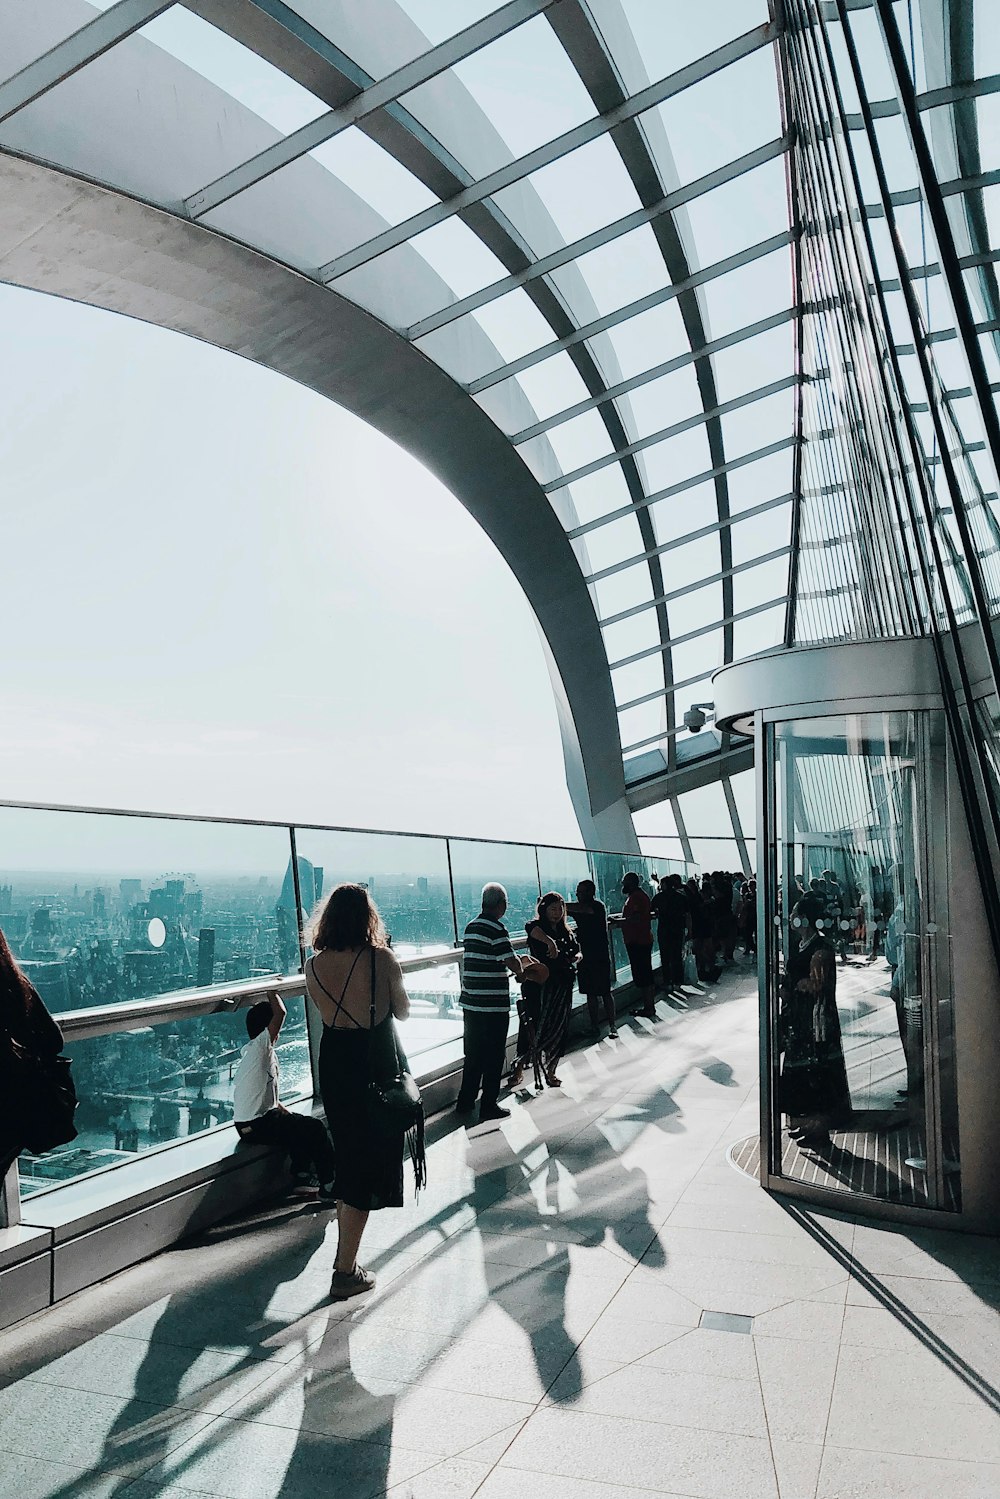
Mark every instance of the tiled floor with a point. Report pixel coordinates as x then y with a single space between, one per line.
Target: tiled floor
536 1326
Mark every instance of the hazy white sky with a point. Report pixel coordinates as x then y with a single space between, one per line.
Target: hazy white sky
225 595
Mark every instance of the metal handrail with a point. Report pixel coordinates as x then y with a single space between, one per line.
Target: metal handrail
108 1020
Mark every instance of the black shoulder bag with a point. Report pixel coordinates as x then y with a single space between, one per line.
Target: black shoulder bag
394 1099
37 1098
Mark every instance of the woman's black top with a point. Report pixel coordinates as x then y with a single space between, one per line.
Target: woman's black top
594 973
561 964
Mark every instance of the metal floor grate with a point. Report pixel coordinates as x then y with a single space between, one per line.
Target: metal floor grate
871 1163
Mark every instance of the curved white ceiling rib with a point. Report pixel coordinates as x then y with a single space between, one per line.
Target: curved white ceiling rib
560 209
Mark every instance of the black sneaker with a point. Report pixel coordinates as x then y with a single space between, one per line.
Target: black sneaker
496 1112
464 1108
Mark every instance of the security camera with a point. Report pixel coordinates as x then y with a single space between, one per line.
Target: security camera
696 718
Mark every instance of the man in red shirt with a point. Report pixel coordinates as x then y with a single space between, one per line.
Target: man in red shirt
637 932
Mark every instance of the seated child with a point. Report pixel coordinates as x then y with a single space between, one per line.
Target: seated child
259 1116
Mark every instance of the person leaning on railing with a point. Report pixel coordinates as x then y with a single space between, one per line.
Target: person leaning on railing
485 1001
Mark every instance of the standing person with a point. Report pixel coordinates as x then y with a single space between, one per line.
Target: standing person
673 921
812 1087
636 921
356 985
551 941
25 1021
702 931
594 974
261 1119
485 1003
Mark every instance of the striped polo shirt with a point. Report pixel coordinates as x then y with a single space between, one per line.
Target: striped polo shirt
485 985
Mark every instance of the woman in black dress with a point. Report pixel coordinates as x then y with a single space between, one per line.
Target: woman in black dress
551 941
812 1088
351 971
594 973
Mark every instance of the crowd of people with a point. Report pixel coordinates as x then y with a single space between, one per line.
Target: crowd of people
354 981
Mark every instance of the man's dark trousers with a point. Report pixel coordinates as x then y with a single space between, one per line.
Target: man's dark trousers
672 957
485 1053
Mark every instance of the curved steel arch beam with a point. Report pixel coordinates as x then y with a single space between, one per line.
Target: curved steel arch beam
73 238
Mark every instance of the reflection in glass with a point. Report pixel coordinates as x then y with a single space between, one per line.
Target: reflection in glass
861 979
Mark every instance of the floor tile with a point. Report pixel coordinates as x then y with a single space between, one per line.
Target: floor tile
87 1429
797 1466
797 1382
703 1352
160 1373
644 1454
848 1473
243 1460
708 1402
333 1402
452 1479
913 1426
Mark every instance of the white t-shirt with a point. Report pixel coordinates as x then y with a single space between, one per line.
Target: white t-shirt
255 1086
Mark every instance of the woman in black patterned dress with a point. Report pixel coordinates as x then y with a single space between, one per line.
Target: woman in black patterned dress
551 941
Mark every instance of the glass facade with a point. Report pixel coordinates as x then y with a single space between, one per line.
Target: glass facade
896 523
135 928
862 1060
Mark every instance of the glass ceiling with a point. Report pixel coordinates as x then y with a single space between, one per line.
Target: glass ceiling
579 212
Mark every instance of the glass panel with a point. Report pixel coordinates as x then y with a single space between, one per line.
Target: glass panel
102 909
510 864
693 30
582 192
378 178
505 100
29 31
206 101
407 878
440 19
235 69
619 273
740 213
863 992
707 127
143 1089
562 869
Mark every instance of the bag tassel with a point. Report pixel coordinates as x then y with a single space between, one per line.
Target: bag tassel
418 1154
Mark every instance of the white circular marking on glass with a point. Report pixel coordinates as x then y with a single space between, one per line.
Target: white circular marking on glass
156 932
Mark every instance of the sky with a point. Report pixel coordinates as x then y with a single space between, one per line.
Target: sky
225 595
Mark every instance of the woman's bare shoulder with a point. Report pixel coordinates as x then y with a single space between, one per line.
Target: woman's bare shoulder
387 960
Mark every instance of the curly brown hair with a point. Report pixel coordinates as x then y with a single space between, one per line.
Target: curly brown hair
349 919
13 982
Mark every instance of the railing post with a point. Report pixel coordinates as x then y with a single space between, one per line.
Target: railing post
10 1197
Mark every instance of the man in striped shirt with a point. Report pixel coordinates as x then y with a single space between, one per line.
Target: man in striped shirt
486 1005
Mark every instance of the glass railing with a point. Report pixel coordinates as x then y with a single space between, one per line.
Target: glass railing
144 934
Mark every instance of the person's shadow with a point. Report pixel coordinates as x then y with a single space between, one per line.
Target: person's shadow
208 1344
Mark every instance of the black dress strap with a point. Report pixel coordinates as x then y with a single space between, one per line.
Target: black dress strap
343 993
